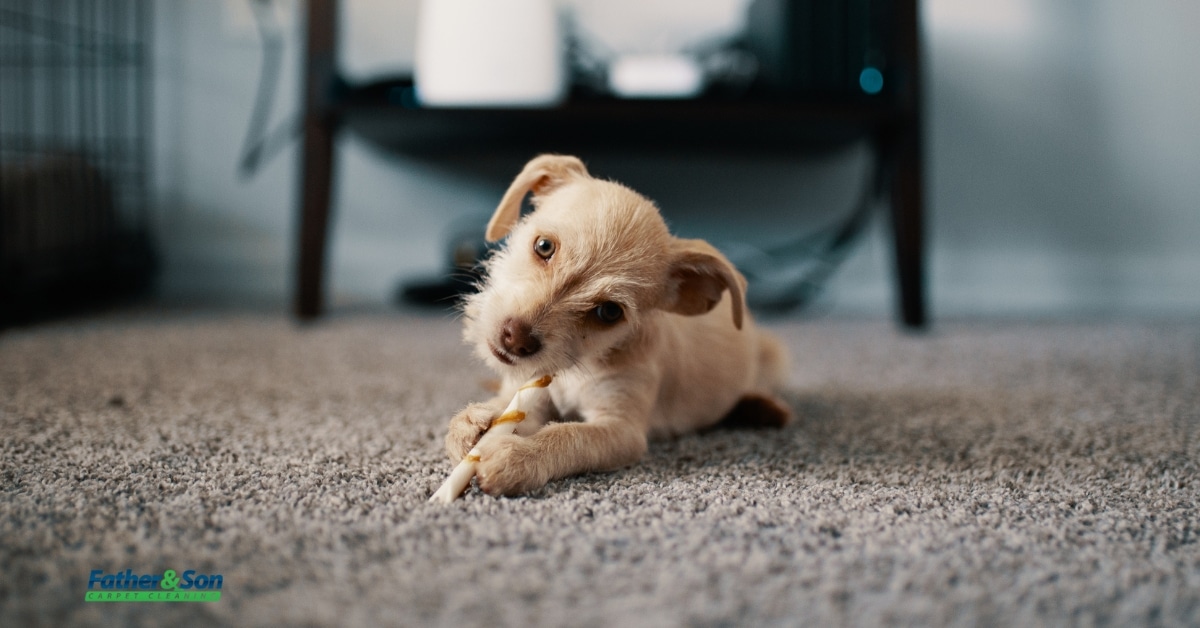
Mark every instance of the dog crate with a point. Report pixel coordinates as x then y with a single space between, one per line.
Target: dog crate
75 133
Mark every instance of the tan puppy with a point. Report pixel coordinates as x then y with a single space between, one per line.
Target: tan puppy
646 334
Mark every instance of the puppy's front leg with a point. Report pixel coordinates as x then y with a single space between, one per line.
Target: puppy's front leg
468 425
514 465
472 421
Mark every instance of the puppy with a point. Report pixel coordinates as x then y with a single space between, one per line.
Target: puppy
647 335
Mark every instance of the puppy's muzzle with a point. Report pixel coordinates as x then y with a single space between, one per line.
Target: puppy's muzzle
517 339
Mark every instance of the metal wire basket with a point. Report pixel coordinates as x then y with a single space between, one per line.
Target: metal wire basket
75 132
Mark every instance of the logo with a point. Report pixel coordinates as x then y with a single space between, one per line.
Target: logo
126 586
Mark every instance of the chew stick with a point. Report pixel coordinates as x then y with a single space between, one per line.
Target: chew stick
506 423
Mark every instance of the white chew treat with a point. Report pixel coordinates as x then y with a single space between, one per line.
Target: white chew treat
506 423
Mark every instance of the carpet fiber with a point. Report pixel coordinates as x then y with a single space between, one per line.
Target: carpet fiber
1015 473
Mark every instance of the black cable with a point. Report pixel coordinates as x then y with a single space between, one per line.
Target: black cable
824 249
261 146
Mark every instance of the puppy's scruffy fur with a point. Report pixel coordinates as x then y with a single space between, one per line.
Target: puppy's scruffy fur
646 334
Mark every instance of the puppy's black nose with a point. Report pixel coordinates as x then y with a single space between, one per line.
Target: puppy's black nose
518 339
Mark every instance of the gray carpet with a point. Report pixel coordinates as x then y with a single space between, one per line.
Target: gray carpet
985 474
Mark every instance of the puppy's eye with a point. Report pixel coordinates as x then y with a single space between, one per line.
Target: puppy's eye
608 312
544 247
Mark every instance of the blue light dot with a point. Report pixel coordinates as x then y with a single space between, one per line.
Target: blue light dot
871 80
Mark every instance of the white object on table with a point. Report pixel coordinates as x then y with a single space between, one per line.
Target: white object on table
489 53
656 76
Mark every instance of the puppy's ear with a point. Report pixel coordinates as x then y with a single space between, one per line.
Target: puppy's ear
699 274
541 176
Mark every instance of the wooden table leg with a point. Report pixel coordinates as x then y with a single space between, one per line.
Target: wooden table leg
316 171
316 195
905 155
908 226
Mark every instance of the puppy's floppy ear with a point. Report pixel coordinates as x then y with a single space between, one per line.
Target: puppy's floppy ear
540 176
699 274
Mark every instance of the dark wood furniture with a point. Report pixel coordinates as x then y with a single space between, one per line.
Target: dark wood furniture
387 113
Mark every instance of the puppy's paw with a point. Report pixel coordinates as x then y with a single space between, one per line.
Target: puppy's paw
508 466
466 428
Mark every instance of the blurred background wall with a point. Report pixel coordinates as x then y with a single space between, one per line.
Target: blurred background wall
1063 149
